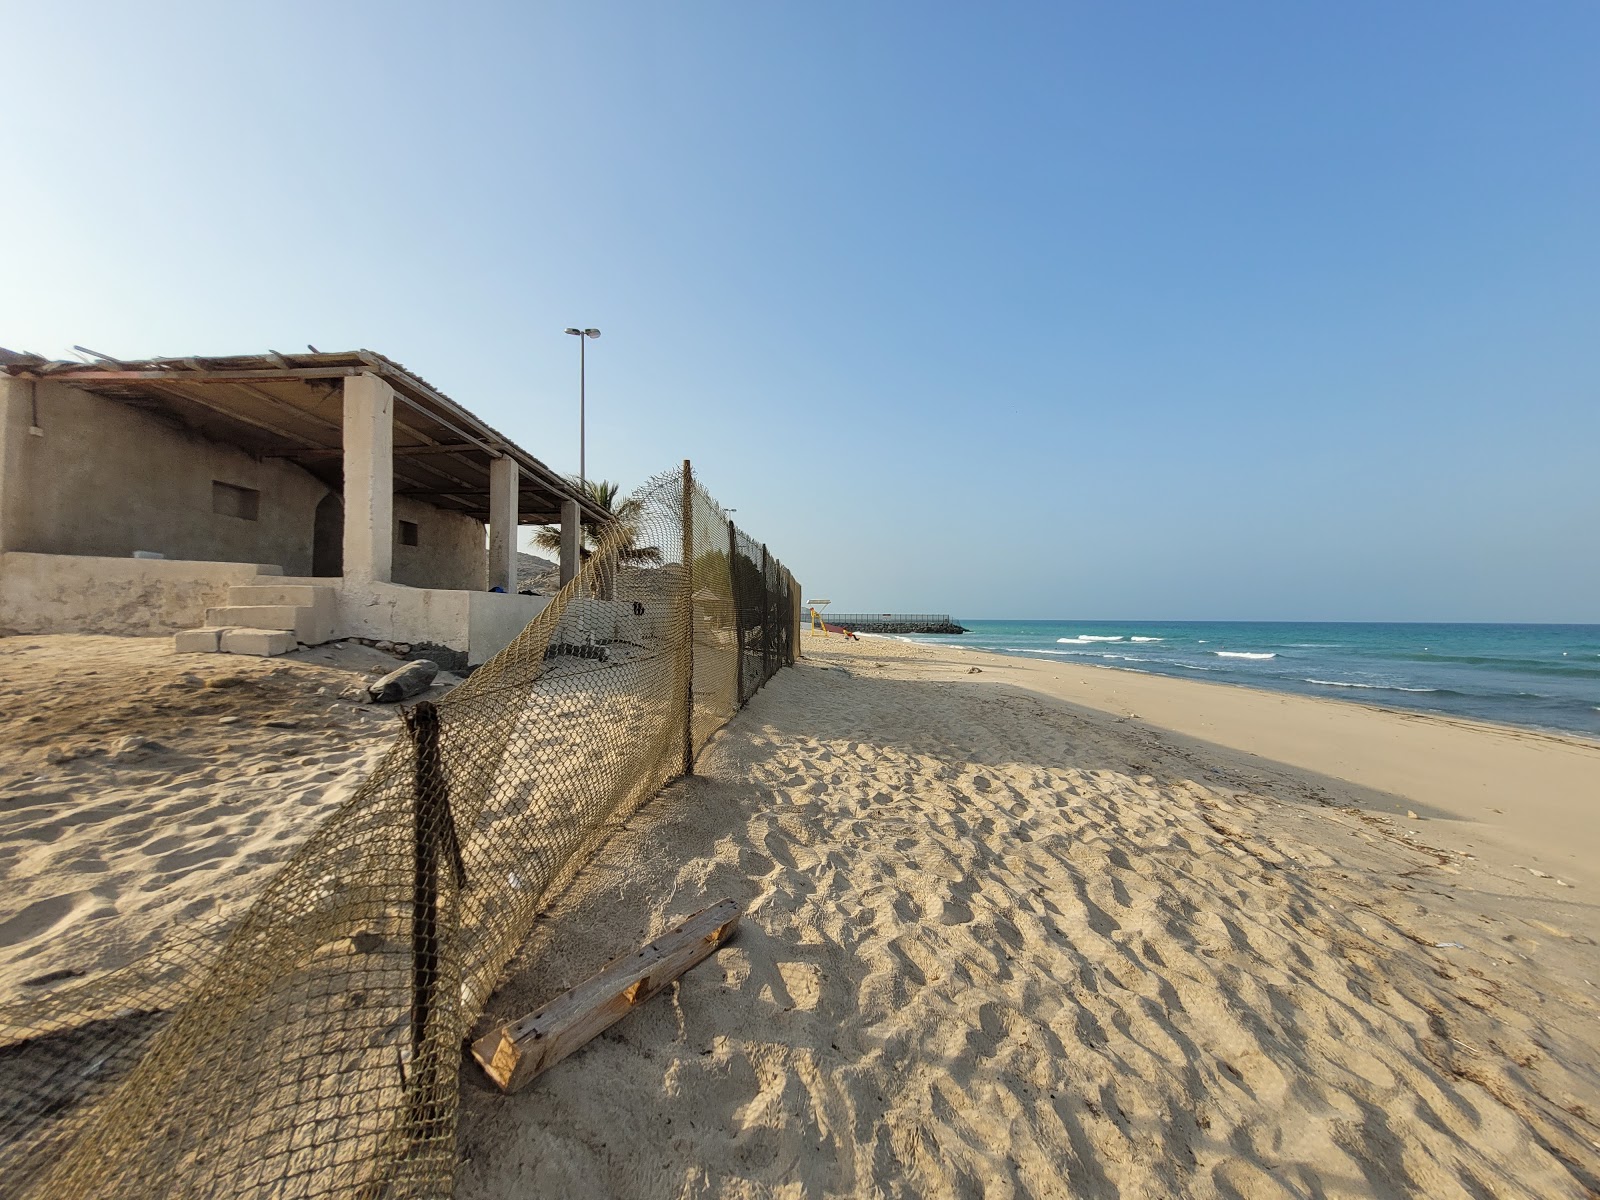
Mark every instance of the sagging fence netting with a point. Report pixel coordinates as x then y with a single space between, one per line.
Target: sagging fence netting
314 1052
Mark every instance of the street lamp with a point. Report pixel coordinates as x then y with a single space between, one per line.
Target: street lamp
581 334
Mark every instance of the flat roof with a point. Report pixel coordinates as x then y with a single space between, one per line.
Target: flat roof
291 406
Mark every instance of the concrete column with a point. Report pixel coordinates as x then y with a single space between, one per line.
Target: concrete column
16 415
571 536
368 479
503 522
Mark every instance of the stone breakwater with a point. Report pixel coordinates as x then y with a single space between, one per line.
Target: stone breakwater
894 623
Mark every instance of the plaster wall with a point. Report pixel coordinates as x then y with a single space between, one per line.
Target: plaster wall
60 593
450 550
106 479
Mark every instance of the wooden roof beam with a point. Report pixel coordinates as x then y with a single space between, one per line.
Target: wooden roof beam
255 422
399 451
97 375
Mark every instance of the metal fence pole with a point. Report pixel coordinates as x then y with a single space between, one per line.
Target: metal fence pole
688 604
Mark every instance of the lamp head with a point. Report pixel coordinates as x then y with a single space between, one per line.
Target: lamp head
594 333
576 332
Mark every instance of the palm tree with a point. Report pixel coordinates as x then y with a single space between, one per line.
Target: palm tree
602 494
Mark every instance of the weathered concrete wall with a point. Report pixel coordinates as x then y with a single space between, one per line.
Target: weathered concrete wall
60 593
15 417
106 479
496 618
449 553
480 624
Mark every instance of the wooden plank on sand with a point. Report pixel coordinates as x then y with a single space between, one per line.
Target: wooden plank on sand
517 1052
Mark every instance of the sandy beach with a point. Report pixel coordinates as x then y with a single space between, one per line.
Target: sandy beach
1012 928
146 794
1006 938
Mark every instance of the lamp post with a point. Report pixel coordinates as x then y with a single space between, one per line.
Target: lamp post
581 334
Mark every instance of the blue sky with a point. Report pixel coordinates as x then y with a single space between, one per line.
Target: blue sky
1235 311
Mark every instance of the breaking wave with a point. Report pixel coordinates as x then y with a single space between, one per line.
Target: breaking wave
1376 687
1085 638
1241 654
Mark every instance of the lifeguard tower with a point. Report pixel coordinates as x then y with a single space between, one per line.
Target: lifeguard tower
818 625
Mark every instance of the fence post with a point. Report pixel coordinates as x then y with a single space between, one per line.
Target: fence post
766 621
688 604
793 615
738 611
434 836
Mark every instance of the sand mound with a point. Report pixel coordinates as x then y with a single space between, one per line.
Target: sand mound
147 795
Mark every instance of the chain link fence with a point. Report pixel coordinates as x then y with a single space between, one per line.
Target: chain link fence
315 1052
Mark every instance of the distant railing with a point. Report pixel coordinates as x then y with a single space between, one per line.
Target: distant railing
894 622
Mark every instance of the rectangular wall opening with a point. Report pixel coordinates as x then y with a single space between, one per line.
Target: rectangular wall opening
408 533
230 500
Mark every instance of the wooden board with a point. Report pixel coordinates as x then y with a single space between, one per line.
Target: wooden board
520 1050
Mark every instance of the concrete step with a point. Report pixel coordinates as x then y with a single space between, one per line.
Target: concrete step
261 642
198 641
254 616
212 640
311 624
300 595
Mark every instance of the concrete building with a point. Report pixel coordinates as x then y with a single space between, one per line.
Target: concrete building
250 503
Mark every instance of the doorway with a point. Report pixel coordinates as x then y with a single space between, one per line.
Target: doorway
327 537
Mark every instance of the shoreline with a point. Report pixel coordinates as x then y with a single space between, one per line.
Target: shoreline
1437 714
1529 792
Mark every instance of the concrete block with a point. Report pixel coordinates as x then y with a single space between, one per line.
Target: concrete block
311 624
253 616
297 595
260 642
197 641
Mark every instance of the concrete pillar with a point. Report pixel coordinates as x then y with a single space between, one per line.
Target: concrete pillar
571 537
368 479
503 522
16 415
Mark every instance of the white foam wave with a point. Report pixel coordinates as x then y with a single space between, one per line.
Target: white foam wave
1147 639
1241 654
1084 638
1376 687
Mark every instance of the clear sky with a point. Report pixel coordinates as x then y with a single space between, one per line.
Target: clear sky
1232 310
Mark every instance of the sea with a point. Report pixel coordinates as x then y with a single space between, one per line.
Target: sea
1539 676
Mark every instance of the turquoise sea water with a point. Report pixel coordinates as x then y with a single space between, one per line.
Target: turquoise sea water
1543 676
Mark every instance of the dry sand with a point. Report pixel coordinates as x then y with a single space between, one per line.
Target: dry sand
145 793
1002 937
1002 944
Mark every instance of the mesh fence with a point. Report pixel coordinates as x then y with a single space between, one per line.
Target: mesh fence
314 1052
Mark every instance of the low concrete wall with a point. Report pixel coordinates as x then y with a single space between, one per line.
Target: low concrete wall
496 618
479 624
71 593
